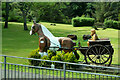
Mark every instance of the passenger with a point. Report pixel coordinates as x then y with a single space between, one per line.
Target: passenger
94 36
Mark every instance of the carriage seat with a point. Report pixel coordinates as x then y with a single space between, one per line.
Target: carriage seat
103 41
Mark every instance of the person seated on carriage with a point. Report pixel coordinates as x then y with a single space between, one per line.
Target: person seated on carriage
93 35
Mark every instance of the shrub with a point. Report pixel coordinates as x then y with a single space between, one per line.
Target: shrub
82 21
76 22
112 24
69 57
116 24
58 57
34 54
50 54
44 63
108 23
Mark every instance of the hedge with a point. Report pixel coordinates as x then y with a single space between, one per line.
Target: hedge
112 24
82 21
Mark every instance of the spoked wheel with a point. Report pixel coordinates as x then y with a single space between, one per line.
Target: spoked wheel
99 54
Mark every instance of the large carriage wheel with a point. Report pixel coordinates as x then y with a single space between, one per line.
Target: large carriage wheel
99 54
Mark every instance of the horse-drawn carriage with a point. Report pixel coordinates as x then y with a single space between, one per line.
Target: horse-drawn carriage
99 51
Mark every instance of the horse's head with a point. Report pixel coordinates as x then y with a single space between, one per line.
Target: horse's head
34 28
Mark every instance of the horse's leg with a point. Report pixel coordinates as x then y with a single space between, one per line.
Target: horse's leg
42 45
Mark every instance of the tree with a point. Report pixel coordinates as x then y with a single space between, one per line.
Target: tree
24 8
6 15
89 10
105 10
50 12
74 9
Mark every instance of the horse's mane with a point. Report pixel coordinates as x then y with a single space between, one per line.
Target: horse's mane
46 32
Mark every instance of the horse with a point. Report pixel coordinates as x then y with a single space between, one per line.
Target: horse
48 41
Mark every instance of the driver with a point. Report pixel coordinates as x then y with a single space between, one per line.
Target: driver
94 36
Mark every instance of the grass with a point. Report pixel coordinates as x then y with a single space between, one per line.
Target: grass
17 42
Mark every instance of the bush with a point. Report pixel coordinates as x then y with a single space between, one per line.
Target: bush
108 23
112 24
34 54
116 24
66 57
58 57
69 57
44 63
50 54
82 21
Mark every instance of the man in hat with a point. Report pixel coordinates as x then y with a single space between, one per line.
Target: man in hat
94 36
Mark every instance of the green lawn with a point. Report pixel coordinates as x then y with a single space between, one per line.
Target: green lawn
17 42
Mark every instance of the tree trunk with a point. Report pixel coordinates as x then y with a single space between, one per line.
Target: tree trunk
25 24
7 14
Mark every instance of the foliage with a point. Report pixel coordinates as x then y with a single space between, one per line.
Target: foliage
15 17
57 57
112 24
36 55
66 57
99 25
50 54
89 10
69 57
82 21
44 63
105 10
49 12
75 9
60 12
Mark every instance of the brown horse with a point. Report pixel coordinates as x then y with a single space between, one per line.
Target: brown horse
48 41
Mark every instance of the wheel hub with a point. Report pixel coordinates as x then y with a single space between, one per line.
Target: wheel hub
98 57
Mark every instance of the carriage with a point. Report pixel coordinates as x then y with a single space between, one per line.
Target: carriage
99 52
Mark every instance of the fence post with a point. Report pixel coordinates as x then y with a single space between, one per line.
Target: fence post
64 68
5 67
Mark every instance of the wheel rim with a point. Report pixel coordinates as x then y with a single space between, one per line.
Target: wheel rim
98 54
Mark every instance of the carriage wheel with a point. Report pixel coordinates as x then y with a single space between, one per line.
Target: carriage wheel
99 54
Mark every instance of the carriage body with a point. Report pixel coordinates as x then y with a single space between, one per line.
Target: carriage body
99 52
105 43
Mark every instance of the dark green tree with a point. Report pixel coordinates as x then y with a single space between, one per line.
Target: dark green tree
74 9
24 8
105 10
50 12
6 15
89 10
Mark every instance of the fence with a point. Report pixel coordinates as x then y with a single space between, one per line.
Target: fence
11 71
